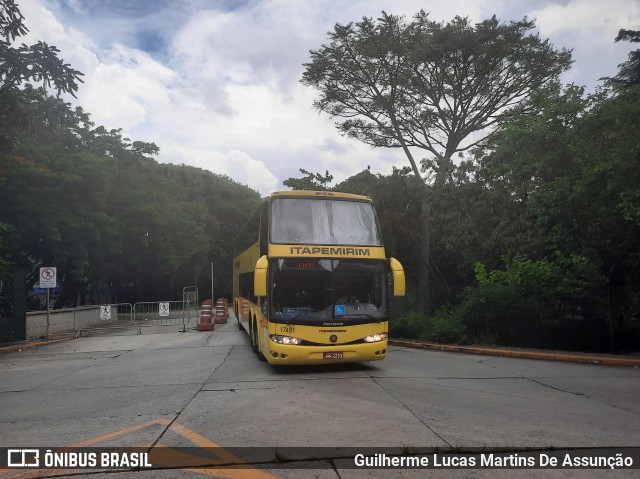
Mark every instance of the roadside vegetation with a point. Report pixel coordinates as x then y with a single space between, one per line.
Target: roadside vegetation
118 225
521 225
517 217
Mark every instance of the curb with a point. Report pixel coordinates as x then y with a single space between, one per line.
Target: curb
16 348
510 353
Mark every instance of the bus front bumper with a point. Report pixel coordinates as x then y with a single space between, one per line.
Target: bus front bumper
348 353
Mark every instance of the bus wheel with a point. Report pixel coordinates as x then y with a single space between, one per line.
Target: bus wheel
252 336
255 341
238 316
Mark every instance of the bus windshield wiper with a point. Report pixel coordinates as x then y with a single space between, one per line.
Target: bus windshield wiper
288 321
363 314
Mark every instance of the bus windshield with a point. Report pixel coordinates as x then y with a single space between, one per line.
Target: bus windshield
323 221
314 291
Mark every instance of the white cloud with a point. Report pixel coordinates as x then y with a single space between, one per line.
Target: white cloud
589 27
236 164
588 17
126 88
77 48
224 93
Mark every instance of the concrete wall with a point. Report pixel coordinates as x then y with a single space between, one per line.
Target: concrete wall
66 320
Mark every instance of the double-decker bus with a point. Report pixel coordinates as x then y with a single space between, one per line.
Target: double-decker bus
311 280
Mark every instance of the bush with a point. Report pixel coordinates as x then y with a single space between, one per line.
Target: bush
505 305
409 326
509 302
442 327
445 326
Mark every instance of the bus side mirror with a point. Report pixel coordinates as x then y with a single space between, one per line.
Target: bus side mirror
260 277
398 277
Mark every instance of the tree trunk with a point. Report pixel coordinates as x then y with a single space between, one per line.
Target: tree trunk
423 294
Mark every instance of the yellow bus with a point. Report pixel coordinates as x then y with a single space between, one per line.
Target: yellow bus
311 280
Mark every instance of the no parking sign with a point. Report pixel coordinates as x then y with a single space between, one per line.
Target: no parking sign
48 277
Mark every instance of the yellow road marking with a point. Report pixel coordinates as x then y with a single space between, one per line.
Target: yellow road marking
122 432
164 455
225 457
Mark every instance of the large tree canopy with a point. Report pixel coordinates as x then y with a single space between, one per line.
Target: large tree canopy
429 85
38 62
629 74
118 226
20 64
93 203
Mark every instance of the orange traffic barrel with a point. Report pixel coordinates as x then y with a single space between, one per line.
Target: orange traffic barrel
219 317
205 323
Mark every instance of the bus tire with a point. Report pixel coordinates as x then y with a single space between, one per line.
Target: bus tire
254 346
238 316
256 341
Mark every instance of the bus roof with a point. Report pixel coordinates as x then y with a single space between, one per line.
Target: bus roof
319 194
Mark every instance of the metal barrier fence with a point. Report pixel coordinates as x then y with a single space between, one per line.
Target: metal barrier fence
115 316
165 313
106 317
190 294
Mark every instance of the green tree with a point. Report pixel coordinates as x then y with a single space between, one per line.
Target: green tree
311 182
574 164
629 74
426 84
20 64
438 88
523 288
38 62
574 168
226 206
474 221
94 203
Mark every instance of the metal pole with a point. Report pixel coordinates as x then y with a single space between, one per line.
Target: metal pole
610 319
46 335
213 317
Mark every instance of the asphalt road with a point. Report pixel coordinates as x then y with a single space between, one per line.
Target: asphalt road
170 389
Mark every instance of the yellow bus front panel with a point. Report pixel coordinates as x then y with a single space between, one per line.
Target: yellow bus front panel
325 345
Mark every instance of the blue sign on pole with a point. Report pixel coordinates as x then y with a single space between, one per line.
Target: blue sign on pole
44 290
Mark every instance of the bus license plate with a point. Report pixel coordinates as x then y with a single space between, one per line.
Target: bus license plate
335 355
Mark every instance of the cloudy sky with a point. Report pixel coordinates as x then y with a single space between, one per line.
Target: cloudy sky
215 83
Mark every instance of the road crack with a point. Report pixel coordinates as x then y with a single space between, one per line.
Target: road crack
410 411
201 389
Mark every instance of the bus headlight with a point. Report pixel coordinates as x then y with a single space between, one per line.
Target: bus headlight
285 339
374 338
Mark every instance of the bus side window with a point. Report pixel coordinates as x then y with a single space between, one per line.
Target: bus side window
246 286
264 228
